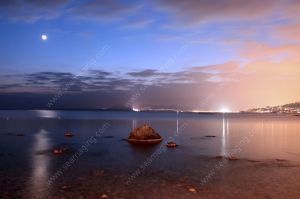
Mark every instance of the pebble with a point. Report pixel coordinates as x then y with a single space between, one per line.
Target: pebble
59 151
232 158
68 134
104 196
193 190
171 144
219 157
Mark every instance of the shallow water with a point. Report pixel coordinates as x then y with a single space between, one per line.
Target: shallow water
99 155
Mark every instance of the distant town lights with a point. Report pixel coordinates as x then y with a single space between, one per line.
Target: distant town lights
136 109
225 110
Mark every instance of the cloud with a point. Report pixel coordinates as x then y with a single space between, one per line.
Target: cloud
144 73
139 13
100 83
34 10
254 51
287 32
259 82
218 68
103 9
291 11
138 22
31 10
192 12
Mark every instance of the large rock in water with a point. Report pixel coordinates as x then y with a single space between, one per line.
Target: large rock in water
144 135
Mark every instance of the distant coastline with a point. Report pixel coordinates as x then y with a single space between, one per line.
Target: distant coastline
291 108
158 111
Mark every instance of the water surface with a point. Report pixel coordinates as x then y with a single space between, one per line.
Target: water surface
28 138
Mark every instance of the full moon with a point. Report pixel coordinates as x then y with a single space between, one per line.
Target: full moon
44 37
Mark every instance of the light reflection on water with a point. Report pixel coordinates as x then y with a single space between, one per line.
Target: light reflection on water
40 165
203 138
46 113
274 137
134 124
225 136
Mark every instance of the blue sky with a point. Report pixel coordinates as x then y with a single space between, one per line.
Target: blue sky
72 42
211 47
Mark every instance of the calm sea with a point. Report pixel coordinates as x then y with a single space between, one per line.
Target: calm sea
28 138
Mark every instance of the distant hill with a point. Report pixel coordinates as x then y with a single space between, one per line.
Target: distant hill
286 108
292 105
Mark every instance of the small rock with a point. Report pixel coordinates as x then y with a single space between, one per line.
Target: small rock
232 158
193 190
68 134
59 151
171 144
104 196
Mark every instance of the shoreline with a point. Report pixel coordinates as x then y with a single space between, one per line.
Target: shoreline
237 179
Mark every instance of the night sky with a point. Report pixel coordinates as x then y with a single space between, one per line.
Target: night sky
186 55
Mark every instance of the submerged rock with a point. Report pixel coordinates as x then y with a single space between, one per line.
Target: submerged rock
230 157
104 196
144 135
68 134
171 144
220 157
193 190
59 151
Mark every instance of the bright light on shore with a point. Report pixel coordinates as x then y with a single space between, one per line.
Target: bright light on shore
225 110
136 109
